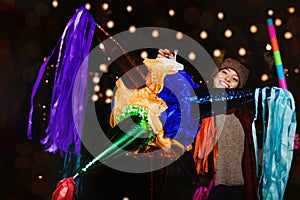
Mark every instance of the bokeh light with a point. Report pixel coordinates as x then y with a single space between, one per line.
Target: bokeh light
108 100
132 29
228 33
220 15
203 35
55 3
288 35
96 79
171 13
217 53
109 92
101 46
268 47
110 24
144 54
264 77
103 67
155 33
291 9
95 97
179 35
253 29
97 88
242 51
105 6
278 22
192 56
270 12
88 6
129 8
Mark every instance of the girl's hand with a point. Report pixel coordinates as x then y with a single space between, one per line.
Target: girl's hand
165 53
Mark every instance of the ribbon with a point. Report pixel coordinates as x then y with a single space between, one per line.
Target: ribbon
279 117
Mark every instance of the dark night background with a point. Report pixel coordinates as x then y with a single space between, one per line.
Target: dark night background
31 28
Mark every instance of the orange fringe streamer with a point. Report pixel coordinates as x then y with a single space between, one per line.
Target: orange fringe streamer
206 141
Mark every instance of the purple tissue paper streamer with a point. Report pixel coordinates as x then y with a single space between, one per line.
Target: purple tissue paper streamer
74 47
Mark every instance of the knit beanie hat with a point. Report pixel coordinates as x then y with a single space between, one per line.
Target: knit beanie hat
240 69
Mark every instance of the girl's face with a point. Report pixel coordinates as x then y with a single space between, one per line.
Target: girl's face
226 78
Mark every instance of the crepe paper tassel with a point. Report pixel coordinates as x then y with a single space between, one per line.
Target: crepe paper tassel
276 54
70 52
278 138
64 189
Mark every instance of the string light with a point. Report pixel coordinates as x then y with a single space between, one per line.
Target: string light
132 29
96 79
242 51
264 77
109 92
155 33
291 9
278 22
268 47
270 12
192 56
95 97
203 35
129 8
55 3
105 6
228 33
110 24
220 15
88 6
108 100
144 54
253 29
288 35
179 36
171 13
101 46
97 88
103 67
217 53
